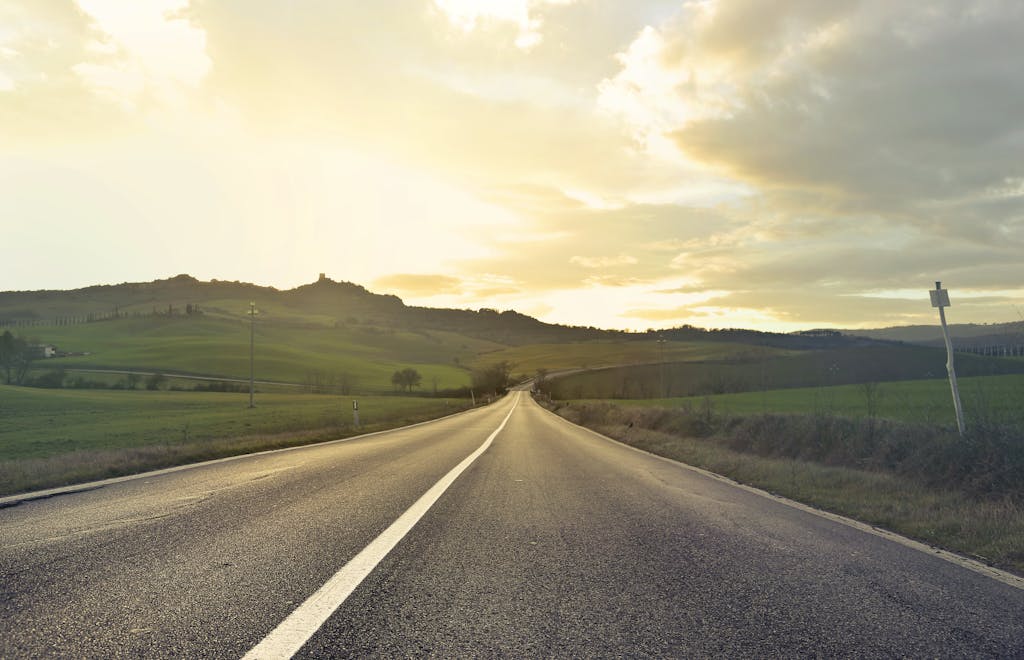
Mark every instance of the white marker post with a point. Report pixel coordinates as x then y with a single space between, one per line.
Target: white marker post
355 413
940 299
252 354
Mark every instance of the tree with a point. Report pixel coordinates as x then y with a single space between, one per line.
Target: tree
407 379
540 381
412 378
154 381
16 356
7 352
495 378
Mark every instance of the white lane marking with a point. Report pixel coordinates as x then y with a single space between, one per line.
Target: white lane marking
292 633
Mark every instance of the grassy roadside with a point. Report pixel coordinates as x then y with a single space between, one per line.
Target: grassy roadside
965 514
58 437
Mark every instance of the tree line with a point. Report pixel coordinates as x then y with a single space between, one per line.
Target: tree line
93 317
16 358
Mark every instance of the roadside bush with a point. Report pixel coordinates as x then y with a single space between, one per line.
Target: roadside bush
50 379
220 386
988 463
80 383
155 381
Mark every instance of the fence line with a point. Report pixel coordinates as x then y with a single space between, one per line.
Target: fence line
993 350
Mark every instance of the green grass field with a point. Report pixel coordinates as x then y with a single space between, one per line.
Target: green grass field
51 437
759 370
365 355
595 354
994 398
40 423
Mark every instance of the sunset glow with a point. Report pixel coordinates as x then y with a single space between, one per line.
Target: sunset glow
624 165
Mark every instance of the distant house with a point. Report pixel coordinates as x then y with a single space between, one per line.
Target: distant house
44 350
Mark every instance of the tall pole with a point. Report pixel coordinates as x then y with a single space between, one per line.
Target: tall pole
252 353
940 299
661 364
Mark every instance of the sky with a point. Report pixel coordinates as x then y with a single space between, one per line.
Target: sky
646 164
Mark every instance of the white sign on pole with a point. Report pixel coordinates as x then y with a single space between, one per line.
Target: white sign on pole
940 299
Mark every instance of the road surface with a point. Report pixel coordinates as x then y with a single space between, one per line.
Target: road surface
550 541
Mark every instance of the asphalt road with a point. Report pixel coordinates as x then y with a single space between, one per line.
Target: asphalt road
553 542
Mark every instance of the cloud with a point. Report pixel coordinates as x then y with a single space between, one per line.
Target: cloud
864 107
880 142
142 48
82 70
419 285
524 15
603 262
40 42
609 162
593 239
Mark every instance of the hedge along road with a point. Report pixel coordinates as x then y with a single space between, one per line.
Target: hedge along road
550 541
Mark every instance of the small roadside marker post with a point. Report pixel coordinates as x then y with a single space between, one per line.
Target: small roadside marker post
355 413
940 299
252 354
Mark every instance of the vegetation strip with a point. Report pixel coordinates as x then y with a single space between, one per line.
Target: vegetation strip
23 497
54 438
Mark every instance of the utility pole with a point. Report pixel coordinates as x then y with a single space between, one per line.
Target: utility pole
252 353
940 299
661 364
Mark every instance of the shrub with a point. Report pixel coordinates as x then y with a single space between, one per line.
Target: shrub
987 463
50 379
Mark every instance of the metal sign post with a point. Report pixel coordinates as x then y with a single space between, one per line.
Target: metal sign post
940 299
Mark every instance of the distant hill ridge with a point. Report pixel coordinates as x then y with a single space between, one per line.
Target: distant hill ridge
963 334
326 302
